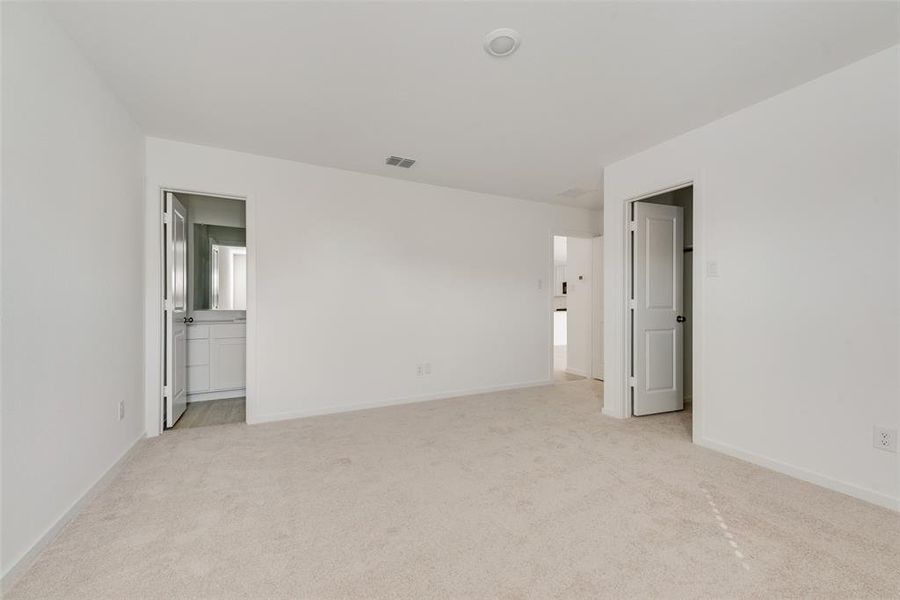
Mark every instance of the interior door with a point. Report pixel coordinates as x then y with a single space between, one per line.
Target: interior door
657 272
176 309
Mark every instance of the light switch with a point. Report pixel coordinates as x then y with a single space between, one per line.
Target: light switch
712 268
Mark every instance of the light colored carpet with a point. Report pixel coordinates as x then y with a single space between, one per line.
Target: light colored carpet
522 494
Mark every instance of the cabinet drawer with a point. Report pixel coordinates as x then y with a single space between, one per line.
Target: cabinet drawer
228 330
198 332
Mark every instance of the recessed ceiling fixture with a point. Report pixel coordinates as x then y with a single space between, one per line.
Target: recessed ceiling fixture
399 161
502 42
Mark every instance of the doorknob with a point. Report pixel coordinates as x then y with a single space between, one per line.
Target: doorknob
185 319
680 319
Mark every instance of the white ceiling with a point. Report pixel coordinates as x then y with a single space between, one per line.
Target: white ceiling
347 84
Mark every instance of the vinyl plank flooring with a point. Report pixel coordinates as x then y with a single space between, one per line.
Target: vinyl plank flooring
213 412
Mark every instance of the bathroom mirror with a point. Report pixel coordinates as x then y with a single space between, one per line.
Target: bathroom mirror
219 265
229 277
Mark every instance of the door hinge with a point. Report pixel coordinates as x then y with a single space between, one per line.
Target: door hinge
632 382
166 218
632 226
165 392
632 304
168 305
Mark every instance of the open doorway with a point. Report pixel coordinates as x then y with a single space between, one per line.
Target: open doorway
204 310
577 337
660 301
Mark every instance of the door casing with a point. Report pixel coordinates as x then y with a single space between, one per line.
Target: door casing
154 326
625 409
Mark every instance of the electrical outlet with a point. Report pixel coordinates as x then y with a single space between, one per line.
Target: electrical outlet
428 368
121 409
885 439
420 369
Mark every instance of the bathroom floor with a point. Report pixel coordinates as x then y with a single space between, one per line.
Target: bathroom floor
213 412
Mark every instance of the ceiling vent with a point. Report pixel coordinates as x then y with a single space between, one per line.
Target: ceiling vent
574 192
399 161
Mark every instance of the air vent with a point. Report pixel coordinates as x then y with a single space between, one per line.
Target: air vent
399 161
574 192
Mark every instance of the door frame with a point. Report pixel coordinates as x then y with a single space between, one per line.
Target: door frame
549 297
696 307
154 278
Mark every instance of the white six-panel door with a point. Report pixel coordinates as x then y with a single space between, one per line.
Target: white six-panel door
176 309
657 350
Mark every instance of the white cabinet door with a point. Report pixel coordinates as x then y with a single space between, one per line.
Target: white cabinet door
227 360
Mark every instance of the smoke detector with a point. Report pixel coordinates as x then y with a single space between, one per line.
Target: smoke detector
399 161
502 42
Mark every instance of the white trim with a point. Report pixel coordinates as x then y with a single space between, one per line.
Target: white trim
153 278
218 395
824 481
577 372
27 559
609 412
298 414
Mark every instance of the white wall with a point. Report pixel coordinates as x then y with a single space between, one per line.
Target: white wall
239 288
597 309
560 328
360 278
72 187
579 275
796 341
226 212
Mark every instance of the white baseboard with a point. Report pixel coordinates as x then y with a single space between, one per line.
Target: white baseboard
804 474
298 414
23 562
578 372
223 395
609 412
